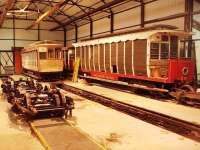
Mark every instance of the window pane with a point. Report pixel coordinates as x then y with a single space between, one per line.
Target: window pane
154 53
165 38
50 53
191 46
182 49
58 53
173 47
42 55
164 51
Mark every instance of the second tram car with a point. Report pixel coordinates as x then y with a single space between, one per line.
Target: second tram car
160 57
43 58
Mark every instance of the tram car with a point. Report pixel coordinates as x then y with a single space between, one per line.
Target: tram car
43 59
160 58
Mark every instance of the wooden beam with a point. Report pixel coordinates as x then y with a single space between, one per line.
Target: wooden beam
65 37
91 29
8 5
107 5
48 13
188 16
142 13
76 33
111 22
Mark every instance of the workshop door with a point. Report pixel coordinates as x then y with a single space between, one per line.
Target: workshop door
18 59
6 63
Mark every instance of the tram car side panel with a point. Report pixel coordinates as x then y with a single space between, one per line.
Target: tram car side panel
50 59
140 57
30 60
49 66
159 56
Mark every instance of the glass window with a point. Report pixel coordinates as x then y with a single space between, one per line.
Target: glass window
42 55
182 50
164 51
173 47
186 49
58 53
50 53
154 50
165 38
191 47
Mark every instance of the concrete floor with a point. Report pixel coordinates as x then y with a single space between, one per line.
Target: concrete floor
110 128
171 109
118 131
14 133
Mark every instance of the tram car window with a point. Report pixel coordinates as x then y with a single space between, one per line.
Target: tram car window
43 55
50 53
173 46
154 50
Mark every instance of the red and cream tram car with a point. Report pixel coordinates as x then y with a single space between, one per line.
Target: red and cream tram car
160 56
43 58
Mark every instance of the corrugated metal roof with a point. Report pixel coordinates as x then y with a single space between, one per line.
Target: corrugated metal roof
70 10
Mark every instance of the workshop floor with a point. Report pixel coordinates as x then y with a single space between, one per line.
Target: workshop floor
14 133
118 131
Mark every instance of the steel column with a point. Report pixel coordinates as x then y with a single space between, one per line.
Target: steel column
65 37
91 29
111 22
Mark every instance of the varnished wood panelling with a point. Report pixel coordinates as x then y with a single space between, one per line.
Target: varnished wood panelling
83 57
87 57
140 56
121 57
113 55
91 58
107 57
96 57
101 57
162 65
57 65
128 57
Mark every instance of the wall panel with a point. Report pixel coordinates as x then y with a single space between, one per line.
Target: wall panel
26 34
162 8
70 34
84 31
24 24
8 23
127 18
47 25
20 43
6 44
101 25
178 22
54 35
69 43
6 33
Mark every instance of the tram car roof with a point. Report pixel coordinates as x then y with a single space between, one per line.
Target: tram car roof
45 43
131 36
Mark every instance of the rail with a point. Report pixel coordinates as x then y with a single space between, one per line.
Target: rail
181 127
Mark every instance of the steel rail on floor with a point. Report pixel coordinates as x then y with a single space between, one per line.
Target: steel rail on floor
181 127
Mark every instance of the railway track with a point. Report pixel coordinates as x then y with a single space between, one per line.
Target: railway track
181 127
188 99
